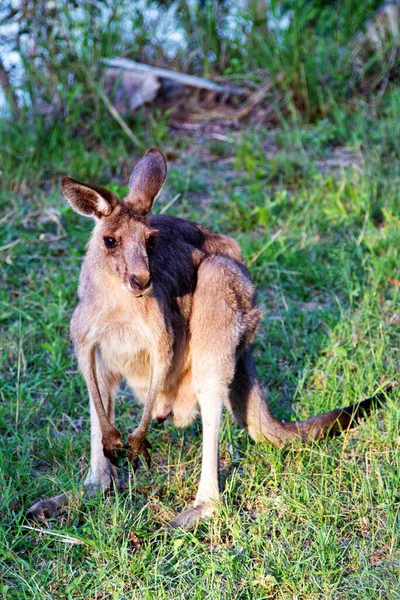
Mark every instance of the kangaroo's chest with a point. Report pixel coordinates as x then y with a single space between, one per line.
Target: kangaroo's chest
125 347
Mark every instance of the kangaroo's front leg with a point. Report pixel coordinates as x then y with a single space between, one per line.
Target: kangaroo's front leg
137 443
101 472
113 446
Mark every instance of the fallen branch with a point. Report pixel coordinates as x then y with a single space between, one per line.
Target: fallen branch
181 78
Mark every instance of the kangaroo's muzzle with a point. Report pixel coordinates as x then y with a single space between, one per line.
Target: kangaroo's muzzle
139 283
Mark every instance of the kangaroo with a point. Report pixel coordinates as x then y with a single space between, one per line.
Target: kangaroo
169 306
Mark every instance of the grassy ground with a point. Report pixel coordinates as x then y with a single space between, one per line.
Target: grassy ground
316 210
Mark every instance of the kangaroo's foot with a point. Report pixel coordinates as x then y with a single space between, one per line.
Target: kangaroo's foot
114 448
100 479
138 446
48 509
189 518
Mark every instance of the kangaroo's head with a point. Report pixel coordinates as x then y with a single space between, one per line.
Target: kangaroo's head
122 238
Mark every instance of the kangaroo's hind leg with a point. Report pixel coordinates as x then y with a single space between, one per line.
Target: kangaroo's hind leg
216 329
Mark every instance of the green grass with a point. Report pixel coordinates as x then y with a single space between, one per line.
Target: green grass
304 522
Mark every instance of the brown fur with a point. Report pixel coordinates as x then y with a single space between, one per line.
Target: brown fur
171 309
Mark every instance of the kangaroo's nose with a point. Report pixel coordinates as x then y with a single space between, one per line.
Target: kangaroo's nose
139 281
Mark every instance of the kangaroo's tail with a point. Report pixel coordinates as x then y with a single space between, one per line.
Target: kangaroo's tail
334 422
246 402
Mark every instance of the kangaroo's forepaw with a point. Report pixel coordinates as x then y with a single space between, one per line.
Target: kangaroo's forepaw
189 518
138 447
48 509
117 456
114 448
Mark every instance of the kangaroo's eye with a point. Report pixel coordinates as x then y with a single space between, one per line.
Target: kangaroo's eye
110 242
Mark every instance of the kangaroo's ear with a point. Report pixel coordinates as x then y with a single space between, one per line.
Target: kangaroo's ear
88 200
146 181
